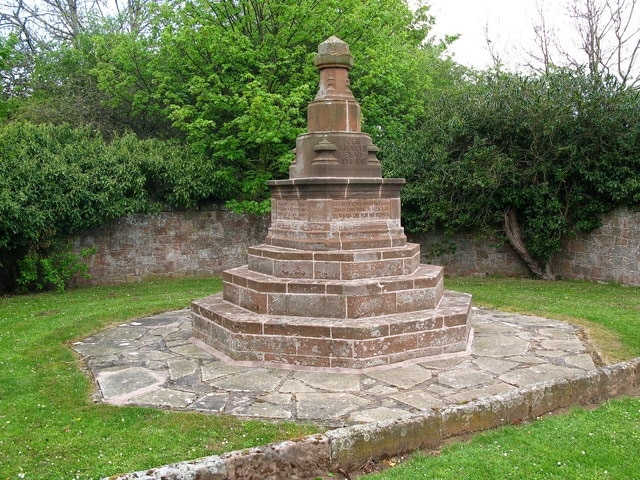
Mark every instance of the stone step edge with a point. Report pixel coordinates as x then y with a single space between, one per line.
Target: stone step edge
452 304
311 181
362 255
425 276
350 447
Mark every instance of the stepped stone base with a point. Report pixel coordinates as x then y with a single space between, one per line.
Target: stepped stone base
335 285
243 337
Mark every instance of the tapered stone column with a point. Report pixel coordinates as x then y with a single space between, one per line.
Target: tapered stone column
335 285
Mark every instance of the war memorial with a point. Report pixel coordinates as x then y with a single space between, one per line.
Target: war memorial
335 284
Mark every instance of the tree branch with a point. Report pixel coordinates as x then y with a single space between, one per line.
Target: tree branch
512 231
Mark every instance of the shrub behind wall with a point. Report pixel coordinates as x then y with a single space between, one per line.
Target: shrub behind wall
55 180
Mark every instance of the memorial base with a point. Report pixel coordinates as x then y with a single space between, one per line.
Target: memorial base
241 337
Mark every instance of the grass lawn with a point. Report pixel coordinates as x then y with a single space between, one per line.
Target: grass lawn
49 429
584 444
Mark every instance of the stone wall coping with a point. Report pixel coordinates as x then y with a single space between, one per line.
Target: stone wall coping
351 447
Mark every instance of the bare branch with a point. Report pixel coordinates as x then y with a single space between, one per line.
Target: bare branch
609 39
496 57
546 40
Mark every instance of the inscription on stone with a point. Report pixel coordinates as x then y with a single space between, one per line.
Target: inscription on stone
291 211
360 209
353 152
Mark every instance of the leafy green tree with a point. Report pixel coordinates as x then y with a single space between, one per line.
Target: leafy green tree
234 77
56 42
124 72
11 73
62 90
538 158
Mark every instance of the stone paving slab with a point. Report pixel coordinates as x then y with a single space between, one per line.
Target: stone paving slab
154 362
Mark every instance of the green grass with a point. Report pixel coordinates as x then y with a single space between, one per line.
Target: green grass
48 426
584 444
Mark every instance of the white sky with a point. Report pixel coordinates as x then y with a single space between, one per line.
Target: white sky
509 23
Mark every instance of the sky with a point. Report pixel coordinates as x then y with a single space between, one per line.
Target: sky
509 23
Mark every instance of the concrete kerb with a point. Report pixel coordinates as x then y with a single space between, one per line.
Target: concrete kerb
351 447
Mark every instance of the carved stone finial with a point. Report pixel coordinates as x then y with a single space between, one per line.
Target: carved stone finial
333 51
334 145
325 114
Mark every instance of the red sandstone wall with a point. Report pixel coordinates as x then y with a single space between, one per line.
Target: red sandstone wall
609 254
169 244
469 254
208 241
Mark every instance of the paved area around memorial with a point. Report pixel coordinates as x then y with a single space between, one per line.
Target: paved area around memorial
153 361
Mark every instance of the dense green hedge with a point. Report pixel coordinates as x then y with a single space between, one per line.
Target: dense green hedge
556 151
55 180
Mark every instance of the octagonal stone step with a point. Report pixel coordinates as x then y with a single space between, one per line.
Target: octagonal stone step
338 265
243 337
264 294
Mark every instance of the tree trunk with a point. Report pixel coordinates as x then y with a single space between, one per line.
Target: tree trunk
512 231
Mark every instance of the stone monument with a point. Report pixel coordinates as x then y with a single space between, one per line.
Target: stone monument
335 284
